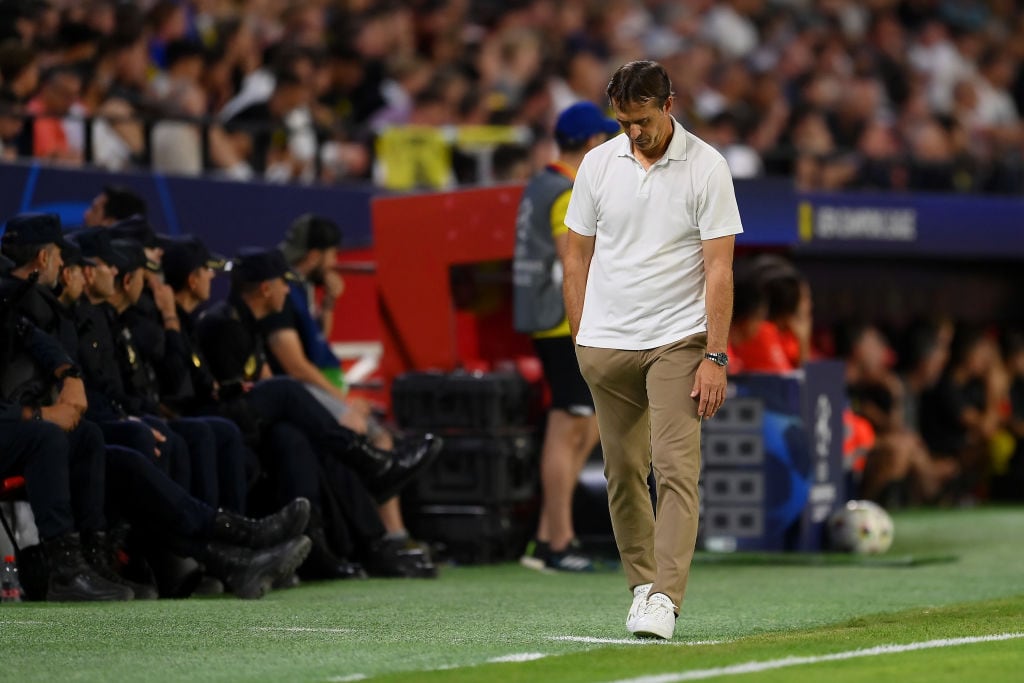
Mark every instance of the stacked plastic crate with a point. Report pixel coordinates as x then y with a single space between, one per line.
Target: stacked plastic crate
474 499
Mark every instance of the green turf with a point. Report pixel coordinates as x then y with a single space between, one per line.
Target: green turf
470 615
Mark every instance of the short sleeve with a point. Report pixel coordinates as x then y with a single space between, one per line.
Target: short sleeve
718 214
581 216
284 320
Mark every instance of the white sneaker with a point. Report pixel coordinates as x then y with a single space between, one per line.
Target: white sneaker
639 598
657 618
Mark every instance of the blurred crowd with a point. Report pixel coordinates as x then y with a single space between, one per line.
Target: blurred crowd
936 408
888 94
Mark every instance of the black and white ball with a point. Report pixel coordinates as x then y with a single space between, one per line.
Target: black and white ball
860 527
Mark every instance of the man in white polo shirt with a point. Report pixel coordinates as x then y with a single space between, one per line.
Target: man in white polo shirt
648 294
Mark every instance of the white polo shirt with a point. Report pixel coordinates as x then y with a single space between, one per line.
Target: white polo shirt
646 284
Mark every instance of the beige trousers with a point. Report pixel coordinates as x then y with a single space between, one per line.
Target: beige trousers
647 418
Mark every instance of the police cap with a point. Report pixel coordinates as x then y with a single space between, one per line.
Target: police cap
95 243
128 255
135 228
183 255
258 264
33 228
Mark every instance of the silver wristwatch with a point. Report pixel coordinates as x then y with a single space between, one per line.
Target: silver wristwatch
718 358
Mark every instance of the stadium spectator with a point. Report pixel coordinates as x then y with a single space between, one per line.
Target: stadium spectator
923 356
765 65
19 69
1008 482
114 203
755 342
899 469
961 414
269 133
12 123
55 136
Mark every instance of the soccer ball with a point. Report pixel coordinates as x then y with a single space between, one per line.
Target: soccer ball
860 527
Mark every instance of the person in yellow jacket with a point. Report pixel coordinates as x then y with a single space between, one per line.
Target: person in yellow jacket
571 432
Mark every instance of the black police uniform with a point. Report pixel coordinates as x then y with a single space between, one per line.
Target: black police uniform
114 363
36 449
323 457
28 380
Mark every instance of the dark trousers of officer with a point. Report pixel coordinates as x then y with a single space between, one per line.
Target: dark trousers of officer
217 457
38 451
308 447
170 455
291 465
282 399
140 493
88 475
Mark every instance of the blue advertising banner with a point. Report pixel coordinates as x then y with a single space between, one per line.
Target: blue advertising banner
230 214
919 225
225 214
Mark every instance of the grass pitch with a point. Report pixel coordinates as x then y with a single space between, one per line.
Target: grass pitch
762 620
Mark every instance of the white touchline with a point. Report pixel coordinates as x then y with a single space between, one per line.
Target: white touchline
301 629
519 657
631 641
755 667
347 679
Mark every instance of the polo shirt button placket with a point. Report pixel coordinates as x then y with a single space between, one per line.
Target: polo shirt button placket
644 189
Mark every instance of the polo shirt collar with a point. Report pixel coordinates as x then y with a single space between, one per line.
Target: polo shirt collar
676 148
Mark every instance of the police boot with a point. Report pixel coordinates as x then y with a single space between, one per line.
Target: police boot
176 576
99 553
385 473
71 579
405 558
323 562
287 523
249 573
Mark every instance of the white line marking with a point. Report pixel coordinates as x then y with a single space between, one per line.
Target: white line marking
631 641
301 629
756 667
346 679
519 657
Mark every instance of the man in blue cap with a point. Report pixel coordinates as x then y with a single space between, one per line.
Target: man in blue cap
571 433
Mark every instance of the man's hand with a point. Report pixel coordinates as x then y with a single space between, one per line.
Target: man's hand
709 384
334 285
157 435
64 416
72 393
163 297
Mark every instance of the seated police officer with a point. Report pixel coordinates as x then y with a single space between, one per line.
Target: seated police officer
230 339
42 434
64 461
218 457
124 415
